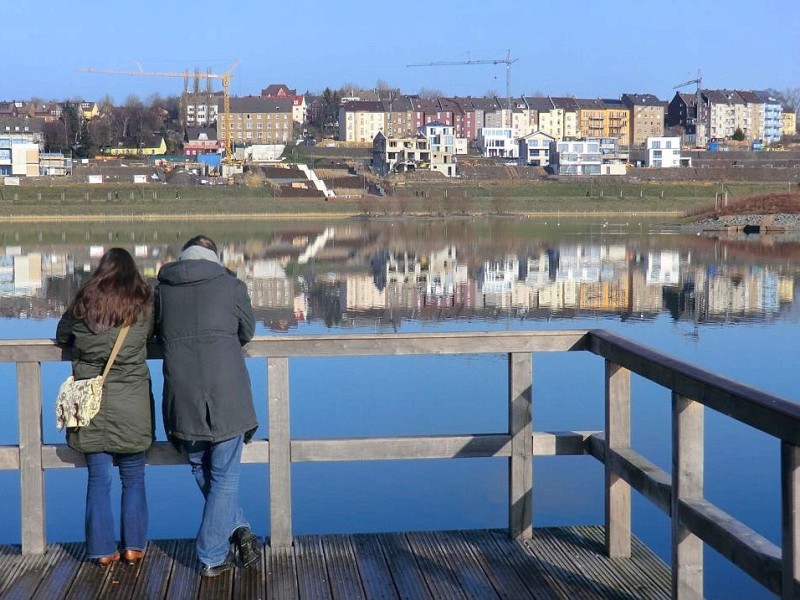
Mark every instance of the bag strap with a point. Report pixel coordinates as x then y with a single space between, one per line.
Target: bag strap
117 345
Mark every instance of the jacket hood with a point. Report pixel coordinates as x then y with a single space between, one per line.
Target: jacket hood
188 272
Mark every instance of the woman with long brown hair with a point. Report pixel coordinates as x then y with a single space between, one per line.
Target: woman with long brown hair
115 295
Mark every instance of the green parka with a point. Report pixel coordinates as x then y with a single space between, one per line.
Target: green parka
125 422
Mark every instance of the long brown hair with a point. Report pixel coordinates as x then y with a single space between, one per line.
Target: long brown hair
115 294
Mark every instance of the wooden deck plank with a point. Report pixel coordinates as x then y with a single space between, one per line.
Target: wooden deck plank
561 563
527 567
184 579
249 583
67 559
465 565
440 578
312 573
342 568
403 566
559 571
499 570
120 582
216 588
644 569
23 574
599 580
155 570
89 580
374 570
281 574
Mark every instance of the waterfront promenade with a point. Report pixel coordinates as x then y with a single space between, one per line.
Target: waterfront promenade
572 562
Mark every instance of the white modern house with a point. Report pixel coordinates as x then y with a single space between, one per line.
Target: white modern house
581 157
442 147
497 142
534 149
663 152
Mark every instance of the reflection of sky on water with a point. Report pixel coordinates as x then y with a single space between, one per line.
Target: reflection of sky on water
727 307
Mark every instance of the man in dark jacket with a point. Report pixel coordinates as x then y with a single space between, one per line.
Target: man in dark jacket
204 317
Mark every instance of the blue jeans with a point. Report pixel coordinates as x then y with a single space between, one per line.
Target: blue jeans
100 538
215 466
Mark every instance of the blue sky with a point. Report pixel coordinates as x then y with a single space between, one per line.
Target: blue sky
586 48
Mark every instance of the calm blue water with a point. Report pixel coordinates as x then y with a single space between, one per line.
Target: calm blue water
727 305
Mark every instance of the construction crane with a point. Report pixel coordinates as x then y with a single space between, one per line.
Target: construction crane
698 81
225 77
507 61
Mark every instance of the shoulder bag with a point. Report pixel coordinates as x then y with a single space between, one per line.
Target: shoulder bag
79 401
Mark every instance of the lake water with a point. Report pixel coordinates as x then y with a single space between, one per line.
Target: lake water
724 303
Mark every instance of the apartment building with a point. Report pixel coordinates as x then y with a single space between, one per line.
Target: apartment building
400 118
562 121
722 112
646 117
425 110
772 115
361 120
788 123
616 120
682 113
537 106
255 120
591 118
202 109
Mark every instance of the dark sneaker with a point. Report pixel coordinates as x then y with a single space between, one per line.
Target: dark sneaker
247 546
226 565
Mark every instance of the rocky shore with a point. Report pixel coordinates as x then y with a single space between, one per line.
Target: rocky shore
785 221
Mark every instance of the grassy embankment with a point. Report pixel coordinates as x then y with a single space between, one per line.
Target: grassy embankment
112 201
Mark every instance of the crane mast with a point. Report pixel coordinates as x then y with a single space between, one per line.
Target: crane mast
507 61
225 78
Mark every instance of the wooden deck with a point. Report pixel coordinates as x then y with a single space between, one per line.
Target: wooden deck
566 563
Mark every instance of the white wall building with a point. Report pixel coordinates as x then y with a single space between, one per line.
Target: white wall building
576 157
534 149
663 152
497 142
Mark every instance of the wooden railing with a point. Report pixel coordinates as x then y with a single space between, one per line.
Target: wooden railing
694 520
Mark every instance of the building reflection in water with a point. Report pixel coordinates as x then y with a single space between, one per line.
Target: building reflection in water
354 275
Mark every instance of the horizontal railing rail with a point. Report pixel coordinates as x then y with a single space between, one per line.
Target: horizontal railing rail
679 495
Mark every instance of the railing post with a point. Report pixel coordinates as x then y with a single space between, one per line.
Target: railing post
790 519
280 459
31 475
687 484
618 435
520 464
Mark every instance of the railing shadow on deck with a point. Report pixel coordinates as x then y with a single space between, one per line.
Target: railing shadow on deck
694 519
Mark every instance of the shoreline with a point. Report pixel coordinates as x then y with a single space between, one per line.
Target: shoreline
94 218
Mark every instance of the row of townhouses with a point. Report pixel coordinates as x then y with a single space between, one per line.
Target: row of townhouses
631 119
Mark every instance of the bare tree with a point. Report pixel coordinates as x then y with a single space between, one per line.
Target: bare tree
430 93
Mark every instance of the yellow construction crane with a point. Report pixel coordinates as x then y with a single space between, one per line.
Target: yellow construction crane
507 61
226 96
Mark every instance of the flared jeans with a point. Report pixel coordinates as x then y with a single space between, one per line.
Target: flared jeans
100 538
